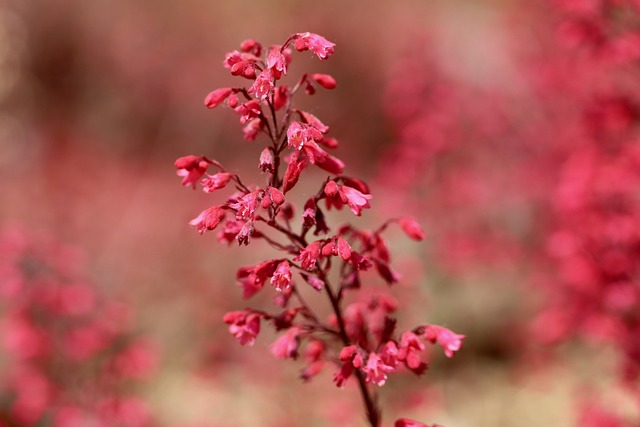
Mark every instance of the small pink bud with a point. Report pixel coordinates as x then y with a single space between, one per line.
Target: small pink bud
331 188
411 228
324 80
216 97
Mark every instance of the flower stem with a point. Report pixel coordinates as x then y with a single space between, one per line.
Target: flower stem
373 412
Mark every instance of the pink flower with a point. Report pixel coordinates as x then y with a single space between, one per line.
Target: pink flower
339 195
337 247
411 228
299 134
315 43
252 277
276 62
251 46
356 200
215 182
322 159
246 205
248 111
309 255
409 352
263 85
286 347
341 377
216 97
447 339
208 219
191 168
296 164
376 370
281 279
313 121
324 80
243 325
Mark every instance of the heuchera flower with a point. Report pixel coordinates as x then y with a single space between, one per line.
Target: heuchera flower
263 85
246 205
309 255
299 134
276 62
447 339
376 370
243 325
315 43
286 347
215 182
192 168
208 219
281 279
338 195
364 328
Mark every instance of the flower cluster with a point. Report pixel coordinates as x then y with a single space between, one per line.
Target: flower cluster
69 353
360 337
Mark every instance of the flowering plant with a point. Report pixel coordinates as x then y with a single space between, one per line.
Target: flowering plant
360 337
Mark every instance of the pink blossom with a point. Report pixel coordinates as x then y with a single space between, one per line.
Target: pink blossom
243 325
216 97
208 219
315 43
322 159
447 339
341 377
276 62
248 111
251 46
246 205
324 80
299 134
337 247
286 347
313 121
215 182
281 279
376 370
309 255
263 85
296 164
409 352
343 194
252 277
191 168
356 200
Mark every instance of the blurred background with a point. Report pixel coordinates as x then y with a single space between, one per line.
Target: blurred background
507 128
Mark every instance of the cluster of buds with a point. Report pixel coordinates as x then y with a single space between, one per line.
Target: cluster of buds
360 337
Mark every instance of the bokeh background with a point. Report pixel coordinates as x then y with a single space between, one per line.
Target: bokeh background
462 114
